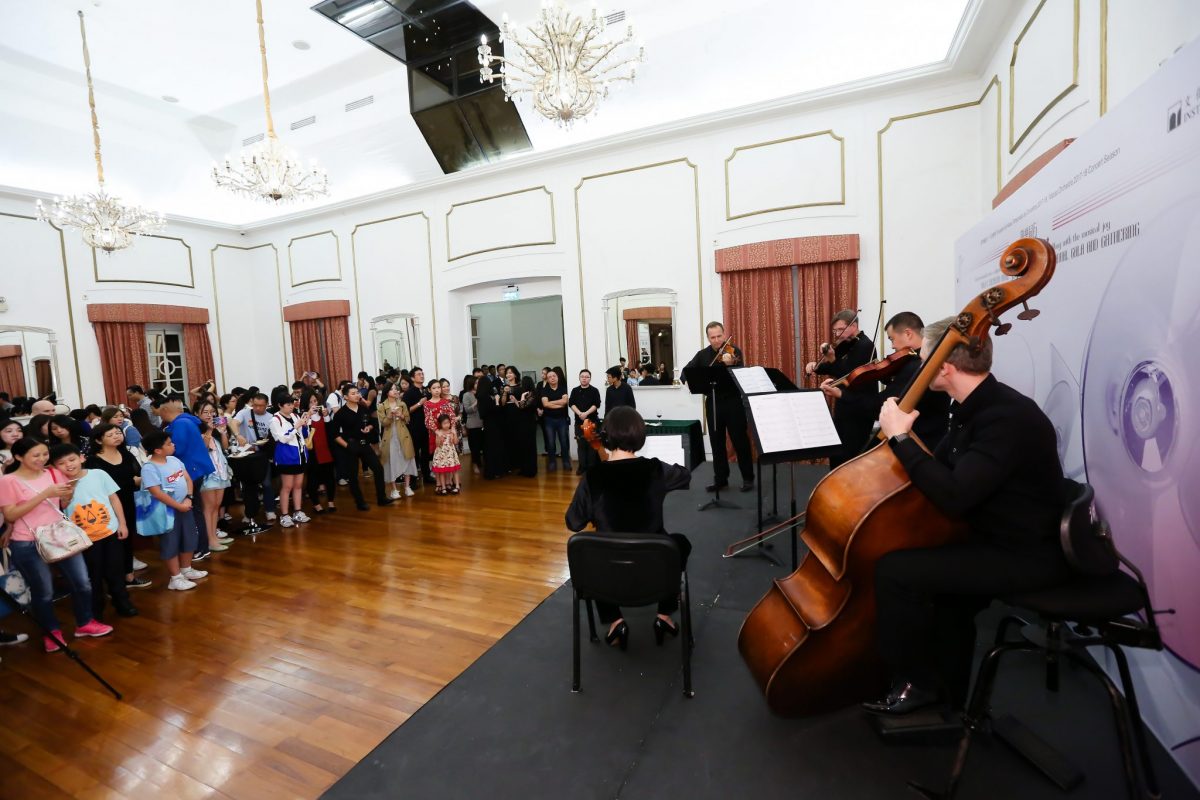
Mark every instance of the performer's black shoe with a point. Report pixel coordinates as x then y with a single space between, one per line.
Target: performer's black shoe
712 487
903 698
747 485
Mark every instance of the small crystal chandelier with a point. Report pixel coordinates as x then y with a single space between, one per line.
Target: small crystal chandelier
105 222
268 170
564 62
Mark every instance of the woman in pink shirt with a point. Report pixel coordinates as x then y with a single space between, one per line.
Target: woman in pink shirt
32 496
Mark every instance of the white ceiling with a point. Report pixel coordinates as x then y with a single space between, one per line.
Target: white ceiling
701 56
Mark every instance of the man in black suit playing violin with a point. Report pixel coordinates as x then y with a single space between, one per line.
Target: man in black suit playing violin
729 415
855 408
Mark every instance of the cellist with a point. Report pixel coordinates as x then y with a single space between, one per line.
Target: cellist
998 470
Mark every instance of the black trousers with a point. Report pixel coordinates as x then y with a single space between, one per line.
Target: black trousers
853 430
350 457
420 437
731 418
316 475
105 562
475 443
927 599
610 613
588 457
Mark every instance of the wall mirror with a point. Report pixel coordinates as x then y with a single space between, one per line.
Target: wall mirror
639 326
397 341
28 362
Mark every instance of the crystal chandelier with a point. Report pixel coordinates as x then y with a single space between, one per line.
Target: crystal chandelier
564 62
268 170
105 222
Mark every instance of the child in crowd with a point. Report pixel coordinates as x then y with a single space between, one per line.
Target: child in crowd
167 480
445 457
97 510
32 496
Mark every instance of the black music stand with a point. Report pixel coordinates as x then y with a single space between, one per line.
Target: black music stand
704 381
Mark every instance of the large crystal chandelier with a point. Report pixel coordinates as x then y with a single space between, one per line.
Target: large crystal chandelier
564 62
105 222
268 170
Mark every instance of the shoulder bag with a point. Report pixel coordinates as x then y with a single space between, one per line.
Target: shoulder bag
60 539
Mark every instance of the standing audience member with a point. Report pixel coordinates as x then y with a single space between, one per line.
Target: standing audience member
139 418
495 463
435 406
585 403
445 461
473 421
252 428
290 430
193 452
135 397
167 480
11 432
618 392
321 471
525 456
32 496
95 506
214 484
111 457
455 403
37 428
115 415
399 456
415 397
556 422
350 429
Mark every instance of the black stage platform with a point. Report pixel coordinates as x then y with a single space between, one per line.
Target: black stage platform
509 726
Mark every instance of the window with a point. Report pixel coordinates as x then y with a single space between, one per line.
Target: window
474 342
165 359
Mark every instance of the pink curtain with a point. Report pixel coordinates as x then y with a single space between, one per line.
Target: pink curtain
197 351
631 343
322 344
122 357
12 376
824 289
758 315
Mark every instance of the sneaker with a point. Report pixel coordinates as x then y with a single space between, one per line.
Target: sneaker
138 583
227 517
138 564
180 584
408 492
301 517
343 482
270 516
12 638
51 642
193 574
200 556
395 494
93 628
286 522
218 548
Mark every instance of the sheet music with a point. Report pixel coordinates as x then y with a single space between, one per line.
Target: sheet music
667 449
793 421
753 380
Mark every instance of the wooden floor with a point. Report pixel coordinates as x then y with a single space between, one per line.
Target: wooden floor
296 656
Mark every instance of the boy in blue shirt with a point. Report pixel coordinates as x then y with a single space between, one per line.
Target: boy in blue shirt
167 480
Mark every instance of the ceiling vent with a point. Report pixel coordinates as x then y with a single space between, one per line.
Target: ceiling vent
614 17
361 102
303 123
255 139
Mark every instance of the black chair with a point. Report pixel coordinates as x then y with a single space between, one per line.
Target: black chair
628 569
1102 606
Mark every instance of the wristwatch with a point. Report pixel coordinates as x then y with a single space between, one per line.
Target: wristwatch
897 439
189 497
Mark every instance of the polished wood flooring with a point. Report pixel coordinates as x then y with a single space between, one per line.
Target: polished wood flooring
298 654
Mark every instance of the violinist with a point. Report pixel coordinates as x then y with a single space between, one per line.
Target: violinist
856 407
905 331
729 414
997 469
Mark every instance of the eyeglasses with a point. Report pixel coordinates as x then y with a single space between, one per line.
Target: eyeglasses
838 330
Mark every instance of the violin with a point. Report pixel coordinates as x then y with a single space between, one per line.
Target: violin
810 642
726 349
879 370
593 438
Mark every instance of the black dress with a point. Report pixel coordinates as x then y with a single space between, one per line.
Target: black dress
525 453
495 464
123 474
626 496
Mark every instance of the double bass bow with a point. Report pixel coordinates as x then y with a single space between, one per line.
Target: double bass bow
810 642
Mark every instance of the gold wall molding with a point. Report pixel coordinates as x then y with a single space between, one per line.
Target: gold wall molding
553 223
429 262
579 239
841 201
191 284
336 249
1103 57
1013 144
62 249
217 304
994 83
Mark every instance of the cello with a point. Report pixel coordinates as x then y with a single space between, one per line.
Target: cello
810 642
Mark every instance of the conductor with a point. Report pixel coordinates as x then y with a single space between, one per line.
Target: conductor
728 415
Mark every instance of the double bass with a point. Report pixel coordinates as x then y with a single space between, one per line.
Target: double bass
810 642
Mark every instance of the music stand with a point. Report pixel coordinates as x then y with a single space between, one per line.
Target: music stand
704 381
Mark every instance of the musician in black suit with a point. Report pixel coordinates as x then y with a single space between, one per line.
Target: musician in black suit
854 409
729 414
906 330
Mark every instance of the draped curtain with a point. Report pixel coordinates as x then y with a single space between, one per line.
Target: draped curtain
758 314
12 376
122 357
322 344
631 343
197 352
44 376
824 290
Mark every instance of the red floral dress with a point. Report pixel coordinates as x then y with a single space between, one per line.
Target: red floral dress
433 410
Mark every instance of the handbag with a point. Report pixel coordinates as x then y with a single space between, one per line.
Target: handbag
154 517
60 539
12 583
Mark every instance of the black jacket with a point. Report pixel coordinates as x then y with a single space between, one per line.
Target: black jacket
934 407
617 396
625 496
704 356
861 401
997 468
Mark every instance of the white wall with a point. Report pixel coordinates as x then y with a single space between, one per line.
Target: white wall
907 167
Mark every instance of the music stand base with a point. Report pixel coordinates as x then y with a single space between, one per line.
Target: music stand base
717 502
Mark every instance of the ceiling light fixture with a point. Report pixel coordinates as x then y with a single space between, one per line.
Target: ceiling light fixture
563 62
103 220
268 170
